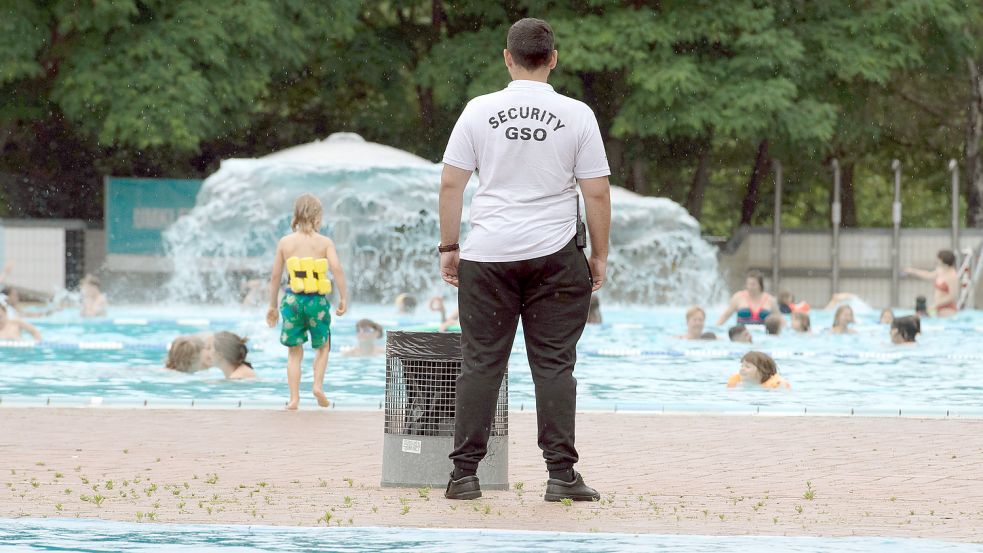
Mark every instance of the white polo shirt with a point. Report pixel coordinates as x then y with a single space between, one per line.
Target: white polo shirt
528 144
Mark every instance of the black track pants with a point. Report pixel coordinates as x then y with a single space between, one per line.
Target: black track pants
552 295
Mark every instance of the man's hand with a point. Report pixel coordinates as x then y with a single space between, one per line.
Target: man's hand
342 307
272 316
598 267
448 267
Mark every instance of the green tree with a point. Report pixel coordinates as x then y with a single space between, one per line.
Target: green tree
694 98
155 78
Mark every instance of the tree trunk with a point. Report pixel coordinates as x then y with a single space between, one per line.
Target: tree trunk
615 148
425 98
750 203
848 202
639 176
974 161
697 190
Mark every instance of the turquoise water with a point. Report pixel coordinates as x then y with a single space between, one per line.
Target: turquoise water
632 362
98 536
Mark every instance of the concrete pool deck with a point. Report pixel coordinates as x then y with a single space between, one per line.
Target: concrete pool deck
657 473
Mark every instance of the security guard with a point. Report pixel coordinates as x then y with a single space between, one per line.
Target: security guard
523 257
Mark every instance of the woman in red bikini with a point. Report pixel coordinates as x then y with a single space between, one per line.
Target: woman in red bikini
752 304
946 281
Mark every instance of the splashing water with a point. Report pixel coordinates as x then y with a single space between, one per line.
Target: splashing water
380 207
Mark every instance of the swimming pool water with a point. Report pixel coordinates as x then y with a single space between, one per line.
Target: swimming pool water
631 362
98 536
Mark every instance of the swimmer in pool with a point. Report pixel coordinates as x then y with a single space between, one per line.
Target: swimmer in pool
788 305
253 292
437 304
758 369
198 352
94 302
904 330
367 333
774 324
228 352
695 319
14 329
740 334
453 320
887 317
842 320
405 304
945 279
801 322
752 304
446 321
185 354
10 300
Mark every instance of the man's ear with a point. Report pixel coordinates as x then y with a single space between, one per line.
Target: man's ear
508 58
553 59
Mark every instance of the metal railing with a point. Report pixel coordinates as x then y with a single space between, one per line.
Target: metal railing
836 220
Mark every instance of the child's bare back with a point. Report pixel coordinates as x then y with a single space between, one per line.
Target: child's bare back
306 244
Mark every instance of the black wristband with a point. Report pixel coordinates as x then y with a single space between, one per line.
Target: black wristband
448 248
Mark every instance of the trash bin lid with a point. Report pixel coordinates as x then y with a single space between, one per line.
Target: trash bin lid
426 345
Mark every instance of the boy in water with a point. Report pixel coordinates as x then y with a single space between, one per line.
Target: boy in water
13 329
94 302
305 308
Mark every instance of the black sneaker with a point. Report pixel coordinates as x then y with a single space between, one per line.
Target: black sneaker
466 487
558 490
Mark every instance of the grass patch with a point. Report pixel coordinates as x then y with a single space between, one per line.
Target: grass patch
810 493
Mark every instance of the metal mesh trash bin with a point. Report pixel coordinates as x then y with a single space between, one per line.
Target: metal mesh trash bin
421 378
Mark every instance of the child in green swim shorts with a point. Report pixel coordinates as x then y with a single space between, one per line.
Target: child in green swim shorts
305 308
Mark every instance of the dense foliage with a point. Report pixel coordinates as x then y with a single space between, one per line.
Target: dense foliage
695 97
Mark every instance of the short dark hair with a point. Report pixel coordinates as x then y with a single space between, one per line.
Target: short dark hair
735 330
773 323
947 257
531 42
908 327
804 317
369 324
